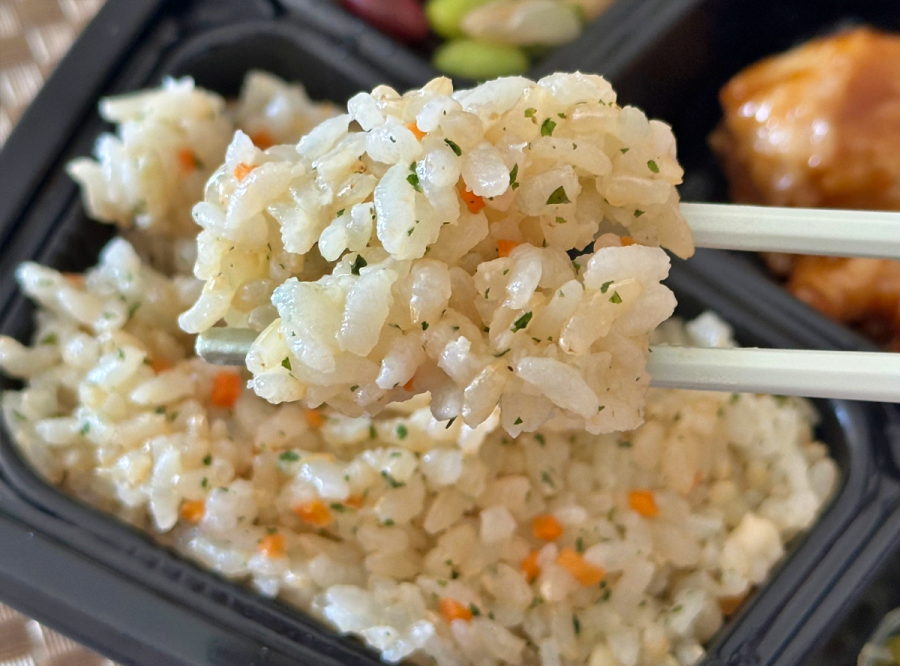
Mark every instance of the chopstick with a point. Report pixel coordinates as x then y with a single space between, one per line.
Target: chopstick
871 376
839 233
814 374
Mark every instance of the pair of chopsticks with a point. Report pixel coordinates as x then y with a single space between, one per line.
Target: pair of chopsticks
814 374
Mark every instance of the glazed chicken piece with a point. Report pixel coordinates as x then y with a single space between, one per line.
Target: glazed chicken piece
819 126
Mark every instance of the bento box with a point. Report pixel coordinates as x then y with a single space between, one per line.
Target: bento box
123 593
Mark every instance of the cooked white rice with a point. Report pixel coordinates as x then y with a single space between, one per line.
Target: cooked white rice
431 540
169 140
367 254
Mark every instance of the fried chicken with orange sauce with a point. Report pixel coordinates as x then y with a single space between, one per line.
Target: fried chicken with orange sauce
819 126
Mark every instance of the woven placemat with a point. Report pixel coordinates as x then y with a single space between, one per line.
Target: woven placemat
34 35
24 642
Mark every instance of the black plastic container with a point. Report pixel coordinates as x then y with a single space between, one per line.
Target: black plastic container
115 588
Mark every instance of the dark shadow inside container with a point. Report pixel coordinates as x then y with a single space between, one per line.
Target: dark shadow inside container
218 59
879 597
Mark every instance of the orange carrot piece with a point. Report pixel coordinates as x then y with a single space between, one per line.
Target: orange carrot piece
273 545
729 605
698 478
226 389
187 160
74 279
530 566
408 386
262 139
583 571
241 170
504 247
412 127
643 502
193 510
473 202
314 418
627 240
453 610
315 513
546 527
160 365
355 501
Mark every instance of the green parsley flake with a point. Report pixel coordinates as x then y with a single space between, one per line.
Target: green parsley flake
638 213
547 127
341 212
354 387
391 480
402 431
513 174
522 321
518 421
424 325
454 147
558 196
357 264
605 286
289 456
286 363
560 220
207 459
413 179
529 112
49 339
652 166
615 298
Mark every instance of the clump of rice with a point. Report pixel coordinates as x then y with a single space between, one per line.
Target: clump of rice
151 171
432 540
271 111
170 140
429 539
419 244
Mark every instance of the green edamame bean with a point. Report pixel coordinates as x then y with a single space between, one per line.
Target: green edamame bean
472 59
445 16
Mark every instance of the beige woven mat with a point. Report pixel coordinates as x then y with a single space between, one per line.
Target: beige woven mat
24 642
34 35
